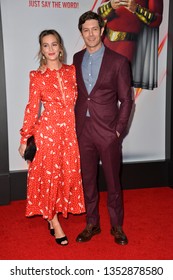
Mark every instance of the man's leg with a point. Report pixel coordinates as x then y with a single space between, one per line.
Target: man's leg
111 160
89 166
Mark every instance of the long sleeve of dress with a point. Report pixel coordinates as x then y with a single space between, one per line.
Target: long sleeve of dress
32 107
75 85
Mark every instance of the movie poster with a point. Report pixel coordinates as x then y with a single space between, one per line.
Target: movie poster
22 21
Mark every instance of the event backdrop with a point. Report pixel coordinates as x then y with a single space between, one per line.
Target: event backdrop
22 21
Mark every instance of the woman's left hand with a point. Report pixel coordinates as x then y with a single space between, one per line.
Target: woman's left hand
22 149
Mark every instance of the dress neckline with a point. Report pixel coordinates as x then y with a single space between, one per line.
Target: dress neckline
55 70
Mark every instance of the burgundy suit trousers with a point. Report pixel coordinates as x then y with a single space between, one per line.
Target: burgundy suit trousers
107 148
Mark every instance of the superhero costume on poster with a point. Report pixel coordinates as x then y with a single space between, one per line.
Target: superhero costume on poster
135 34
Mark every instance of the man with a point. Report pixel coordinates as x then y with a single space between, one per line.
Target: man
102 113
132 29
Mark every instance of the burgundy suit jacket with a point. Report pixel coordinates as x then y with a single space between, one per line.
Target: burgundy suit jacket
110 101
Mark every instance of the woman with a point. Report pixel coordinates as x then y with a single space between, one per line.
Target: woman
54 179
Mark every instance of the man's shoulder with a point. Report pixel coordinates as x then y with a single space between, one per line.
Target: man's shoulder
79 53
114 54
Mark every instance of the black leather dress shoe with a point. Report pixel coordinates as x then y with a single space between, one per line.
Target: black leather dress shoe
119 236
88 233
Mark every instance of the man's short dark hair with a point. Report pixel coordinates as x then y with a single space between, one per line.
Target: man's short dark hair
90 15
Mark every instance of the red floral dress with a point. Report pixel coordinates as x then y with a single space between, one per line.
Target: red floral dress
54 182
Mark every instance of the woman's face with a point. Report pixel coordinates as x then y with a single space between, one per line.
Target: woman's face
50 47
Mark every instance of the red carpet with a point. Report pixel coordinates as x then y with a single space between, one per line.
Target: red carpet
148 225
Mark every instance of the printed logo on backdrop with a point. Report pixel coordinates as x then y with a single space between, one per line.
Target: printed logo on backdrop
53 4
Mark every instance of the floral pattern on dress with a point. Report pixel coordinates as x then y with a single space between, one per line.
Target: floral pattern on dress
54 181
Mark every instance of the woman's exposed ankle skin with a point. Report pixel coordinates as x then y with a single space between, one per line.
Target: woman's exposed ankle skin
59 233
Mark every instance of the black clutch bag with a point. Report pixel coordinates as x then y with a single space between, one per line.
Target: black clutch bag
30 149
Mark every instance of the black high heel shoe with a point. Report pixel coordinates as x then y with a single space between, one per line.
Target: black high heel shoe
52 231
61 239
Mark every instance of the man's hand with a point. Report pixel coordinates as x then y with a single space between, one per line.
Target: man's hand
115 4
128 4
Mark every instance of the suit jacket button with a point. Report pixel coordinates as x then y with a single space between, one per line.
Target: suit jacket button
88 98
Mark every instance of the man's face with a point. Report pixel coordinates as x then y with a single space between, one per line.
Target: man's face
91 34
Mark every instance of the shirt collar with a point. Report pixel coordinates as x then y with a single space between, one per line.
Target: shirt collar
96 54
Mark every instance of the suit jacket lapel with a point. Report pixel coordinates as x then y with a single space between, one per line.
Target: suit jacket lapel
100 75
80 76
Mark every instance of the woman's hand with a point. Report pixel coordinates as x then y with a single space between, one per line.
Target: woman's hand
22 149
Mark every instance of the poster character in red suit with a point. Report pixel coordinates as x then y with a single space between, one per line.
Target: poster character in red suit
132 29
